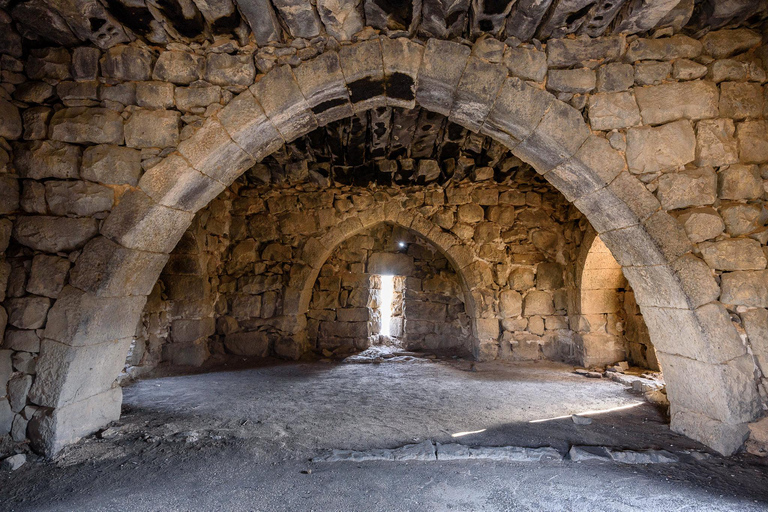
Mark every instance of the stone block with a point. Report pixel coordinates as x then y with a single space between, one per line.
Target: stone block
724 43
174 183
753 141
538 303
665 48
227 70
510 304
36 123
566 53
741 100
342 20
549 276
615 77
441 69
652 73
197 96
322 84
129 63
152 129
526 63
18 388
715 143
740 182
402 59
609 111
571 80
19 340
477 89
188 330
363 68
54 234
247 124
108 269
284 104
187 354
48 275
697 280
743 219
50 430
689 187
9 194
140 223
248 344
390 264
702 224
111 165
47 159
517 111
86 125
745 288
6 417
653 149
756 325
78 318
78 198
683 100
178 67
154 94
685 69
734 254
10 120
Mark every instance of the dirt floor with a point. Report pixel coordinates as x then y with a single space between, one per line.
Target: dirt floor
243 439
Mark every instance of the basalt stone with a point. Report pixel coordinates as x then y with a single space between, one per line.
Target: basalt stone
745 288
571 80
28 312
724 43
666 48
526 63
715 143
78 198
609 111
178 67
111 165
615 77
53 63
85 63
152 129
83 124
684 100
300 17
665 147
342 18
48 275
652 73
126 62
684 69
188 98
224 69
566 53
36 123
54 234
249 344
154 94
124 93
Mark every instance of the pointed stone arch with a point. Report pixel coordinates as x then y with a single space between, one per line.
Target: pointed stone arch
709 373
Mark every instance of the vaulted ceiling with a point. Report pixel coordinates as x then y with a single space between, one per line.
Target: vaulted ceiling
106 23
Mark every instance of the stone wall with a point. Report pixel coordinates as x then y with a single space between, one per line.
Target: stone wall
678 135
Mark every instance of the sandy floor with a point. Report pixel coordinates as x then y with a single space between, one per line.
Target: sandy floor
242 440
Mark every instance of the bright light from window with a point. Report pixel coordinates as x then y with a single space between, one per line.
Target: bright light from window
387 294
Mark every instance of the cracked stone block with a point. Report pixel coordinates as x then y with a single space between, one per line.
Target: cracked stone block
734 254
111 165
342 18
689 187
715 143
609 111
683 100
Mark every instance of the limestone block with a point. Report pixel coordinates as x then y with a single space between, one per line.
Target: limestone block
224 69
517 111
653 149
745 288
248 344
665 48
740 182
566 53
197 96
353 314
742 219
538 303
615 77
697 280
322 84
245 121
110 270
50 430
684 69
477 88
724 43
428 311
470 213
289 348
652 73
86 124
702 224
608 111
27 312
111 165
48 275
178 67
526 63
522 278
741 100
284 104
682 100
715 143
130 63
47 159
753 141
152 129
10 120
54 234
441 69
402 59
78 198
689 187
734 254
140 223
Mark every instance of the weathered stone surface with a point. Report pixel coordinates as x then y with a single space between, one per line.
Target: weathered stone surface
743 219
47 159
684 69
178 67
53 63
154 94
20 340
517 111
756 326
683 100
724 43
48 275
197 96
538 303
9 194
121 93
288 111
740 182
571 80
36 123
657 149
10 120
510 304
715 143
689 187
702 224
609 111
727 69
565 53
741 100
667 48
152 129
28 312
342 19
84 124
111 165
442 66
734 254
18 387
127 62
753 141
54 234
85 63
78 198
526 63
224 69
300 17
745 288
652 73
247 344
615 77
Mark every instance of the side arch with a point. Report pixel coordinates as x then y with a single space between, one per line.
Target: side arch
709 373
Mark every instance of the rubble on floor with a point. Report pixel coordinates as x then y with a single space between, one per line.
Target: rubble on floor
649 383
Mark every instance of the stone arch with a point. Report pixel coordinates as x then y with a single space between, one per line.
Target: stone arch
710 378
319 249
